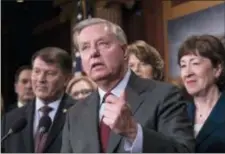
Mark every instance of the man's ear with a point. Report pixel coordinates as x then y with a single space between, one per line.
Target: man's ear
16 87
124 48
68 78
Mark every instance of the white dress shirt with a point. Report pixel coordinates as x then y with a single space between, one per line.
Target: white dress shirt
38 114
20 104
136 146
197 128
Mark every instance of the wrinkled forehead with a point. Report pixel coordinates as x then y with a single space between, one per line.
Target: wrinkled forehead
41 64
105 27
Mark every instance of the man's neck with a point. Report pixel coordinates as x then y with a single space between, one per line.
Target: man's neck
52 99
108 85
22 101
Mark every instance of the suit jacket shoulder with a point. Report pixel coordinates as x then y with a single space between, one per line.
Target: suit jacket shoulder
161 91
211 137
12 116
11 107
156 106
17 113
22 142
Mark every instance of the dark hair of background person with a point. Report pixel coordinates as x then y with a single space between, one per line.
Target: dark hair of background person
21 69
55 55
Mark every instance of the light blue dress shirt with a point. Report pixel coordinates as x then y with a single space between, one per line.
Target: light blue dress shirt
38 114
137 145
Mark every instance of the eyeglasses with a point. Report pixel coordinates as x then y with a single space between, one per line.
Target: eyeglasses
82 92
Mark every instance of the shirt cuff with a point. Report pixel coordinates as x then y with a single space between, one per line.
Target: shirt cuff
136 146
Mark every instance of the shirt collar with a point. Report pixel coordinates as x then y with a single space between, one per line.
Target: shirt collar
119 88
54 105
20 104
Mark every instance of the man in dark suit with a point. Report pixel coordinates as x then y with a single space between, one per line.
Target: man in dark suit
50 74
126 113
23 87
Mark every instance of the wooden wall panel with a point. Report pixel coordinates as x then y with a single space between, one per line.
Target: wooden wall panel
133 25
153 21
112 13
178 2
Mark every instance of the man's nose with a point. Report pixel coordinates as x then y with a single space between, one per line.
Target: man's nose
95 52
41 78
28 84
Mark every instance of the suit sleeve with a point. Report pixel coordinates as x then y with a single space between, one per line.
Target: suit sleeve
66 146
174 129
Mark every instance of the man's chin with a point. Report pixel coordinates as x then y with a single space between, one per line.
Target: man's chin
43 97
28 99
99 77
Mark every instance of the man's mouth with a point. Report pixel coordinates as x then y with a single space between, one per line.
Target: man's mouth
95 65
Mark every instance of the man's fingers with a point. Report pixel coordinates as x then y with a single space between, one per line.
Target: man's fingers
109 114
116 100
108 121
111 99
110 107
123 96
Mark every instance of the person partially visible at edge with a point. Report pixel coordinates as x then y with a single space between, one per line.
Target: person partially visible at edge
145 60
2 106
202 68
126 113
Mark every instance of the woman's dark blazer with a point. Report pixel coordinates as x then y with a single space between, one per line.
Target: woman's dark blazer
211 138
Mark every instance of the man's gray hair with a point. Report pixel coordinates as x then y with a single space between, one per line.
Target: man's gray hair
117 30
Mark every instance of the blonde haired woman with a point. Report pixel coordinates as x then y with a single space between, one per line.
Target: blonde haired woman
80 87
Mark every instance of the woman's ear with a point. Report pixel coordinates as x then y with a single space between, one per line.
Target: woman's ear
218 71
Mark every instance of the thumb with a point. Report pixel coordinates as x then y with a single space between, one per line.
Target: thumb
123 96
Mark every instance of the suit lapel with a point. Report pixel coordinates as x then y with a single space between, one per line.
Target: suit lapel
59 120
191 112
91 124
214 120
27 133
134 90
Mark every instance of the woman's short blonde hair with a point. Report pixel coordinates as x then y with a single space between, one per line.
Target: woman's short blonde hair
149 55
76 79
